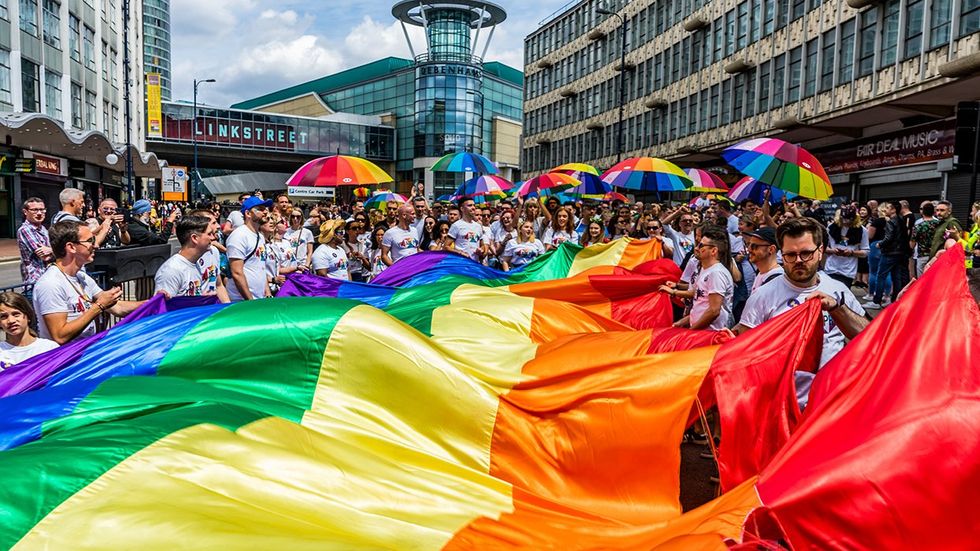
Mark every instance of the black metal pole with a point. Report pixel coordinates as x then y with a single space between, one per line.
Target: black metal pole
622 87
973 165
195 176
130 185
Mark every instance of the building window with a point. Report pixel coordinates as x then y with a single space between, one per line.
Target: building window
764 86
726 101
31 86
799 8
75 37
719 38
739 97
76 105
114 68
755 27
52 94
3 10
715 94
846 70
769 17
969 17
750 92
939 22
810 69
105 117
114 129
105 60
795 74
778 80
889 34
730 33
743 26
52 23
782 13
90 111
28 16
866 54
827 61
5 94
914 21
89 47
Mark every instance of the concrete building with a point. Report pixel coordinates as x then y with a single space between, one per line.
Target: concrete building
156 42
870 87
62 109
445 99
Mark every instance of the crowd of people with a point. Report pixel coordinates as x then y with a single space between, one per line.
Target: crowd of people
741 264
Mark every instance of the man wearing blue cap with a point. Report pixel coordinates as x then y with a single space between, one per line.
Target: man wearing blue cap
247 253
140 231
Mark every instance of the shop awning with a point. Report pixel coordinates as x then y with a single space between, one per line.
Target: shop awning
246 181
44 134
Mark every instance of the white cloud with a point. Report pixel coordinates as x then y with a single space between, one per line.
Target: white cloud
253 47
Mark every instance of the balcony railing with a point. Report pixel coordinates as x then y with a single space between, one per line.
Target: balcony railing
448 57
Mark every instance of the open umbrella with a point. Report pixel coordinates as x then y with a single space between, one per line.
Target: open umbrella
361 192
381 198
647 174
338 170
754 190
554 181
590 185
781 165
615 196
705 182
464 162
483 185
568 168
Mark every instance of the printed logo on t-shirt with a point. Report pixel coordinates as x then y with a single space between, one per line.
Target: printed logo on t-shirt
828 322
526 252
408 243
471 237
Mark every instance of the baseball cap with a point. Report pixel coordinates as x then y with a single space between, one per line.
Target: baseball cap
141 206
253 202
764 233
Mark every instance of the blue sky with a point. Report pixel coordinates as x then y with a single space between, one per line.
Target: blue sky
252 47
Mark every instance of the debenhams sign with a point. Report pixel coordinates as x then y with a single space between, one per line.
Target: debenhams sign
446 69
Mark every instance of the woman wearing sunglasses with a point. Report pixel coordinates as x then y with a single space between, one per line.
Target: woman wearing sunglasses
655 230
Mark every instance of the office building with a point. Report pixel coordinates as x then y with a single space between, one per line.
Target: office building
444 99
870 87
156 42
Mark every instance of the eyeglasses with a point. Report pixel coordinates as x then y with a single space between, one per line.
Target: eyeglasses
107 210
687 221
755 246
653 228
802 256
703 244
42 209
88 242
300 216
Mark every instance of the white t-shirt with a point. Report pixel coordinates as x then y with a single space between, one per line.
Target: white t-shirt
691 270
57 292
298 240
682 242
236 218
500 233
717 280
63 216
244 244
732 224
418 226
400 243
761 279
467 236
179 277
522 253
333 260
845 265
555 239
13 355
780 295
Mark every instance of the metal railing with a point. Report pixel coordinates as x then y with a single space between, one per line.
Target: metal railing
448 57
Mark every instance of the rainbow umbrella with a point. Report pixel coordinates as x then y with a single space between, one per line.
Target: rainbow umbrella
647 174
781 165
591 185
483 185
615 196
568 168
705 182
751 189
361 192
338 170
488 198
555 181
381 198
464 162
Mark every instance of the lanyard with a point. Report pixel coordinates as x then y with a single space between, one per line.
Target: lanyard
74 285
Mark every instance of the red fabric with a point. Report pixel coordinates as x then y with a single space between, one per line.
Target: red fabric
887 454
672 339
633 294
752 379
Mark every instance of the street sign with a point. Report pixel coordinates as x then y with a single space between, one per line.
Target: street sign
312 192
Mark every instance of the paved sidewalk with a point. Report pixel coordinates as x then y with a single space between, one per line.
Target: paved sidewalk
9 251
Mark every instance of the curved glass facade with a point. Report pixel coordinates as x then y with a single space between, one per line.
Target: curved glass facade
448 109
449 35
156 42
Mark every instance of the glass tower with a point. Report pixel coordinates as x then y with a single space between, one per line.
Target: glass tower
156 42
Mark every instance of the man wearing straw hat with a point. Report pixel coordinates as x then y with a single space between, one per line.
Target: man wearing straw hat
330 259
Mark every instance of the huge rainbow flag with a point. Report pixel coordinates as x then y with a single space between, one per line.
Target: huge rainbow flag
461 409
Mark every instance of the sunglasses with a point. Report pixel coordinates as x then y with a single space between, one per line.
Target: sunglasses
653 227
88 242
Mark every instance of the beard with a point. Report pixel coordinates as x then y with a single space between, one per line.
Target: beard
801 273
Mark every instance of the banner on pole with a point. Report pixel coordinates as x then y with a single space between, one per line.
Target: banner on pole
174 183
154 111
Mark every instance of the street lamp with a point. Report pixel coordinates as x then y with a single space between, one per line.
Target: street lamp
195 180
622 79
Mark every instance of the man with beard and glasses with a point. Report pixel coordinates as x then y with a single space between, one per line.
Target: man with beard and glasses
247 253
801 242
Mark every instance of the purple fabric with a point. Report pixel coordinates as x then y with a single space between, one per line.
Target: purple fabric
35 372
309 285
402 271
